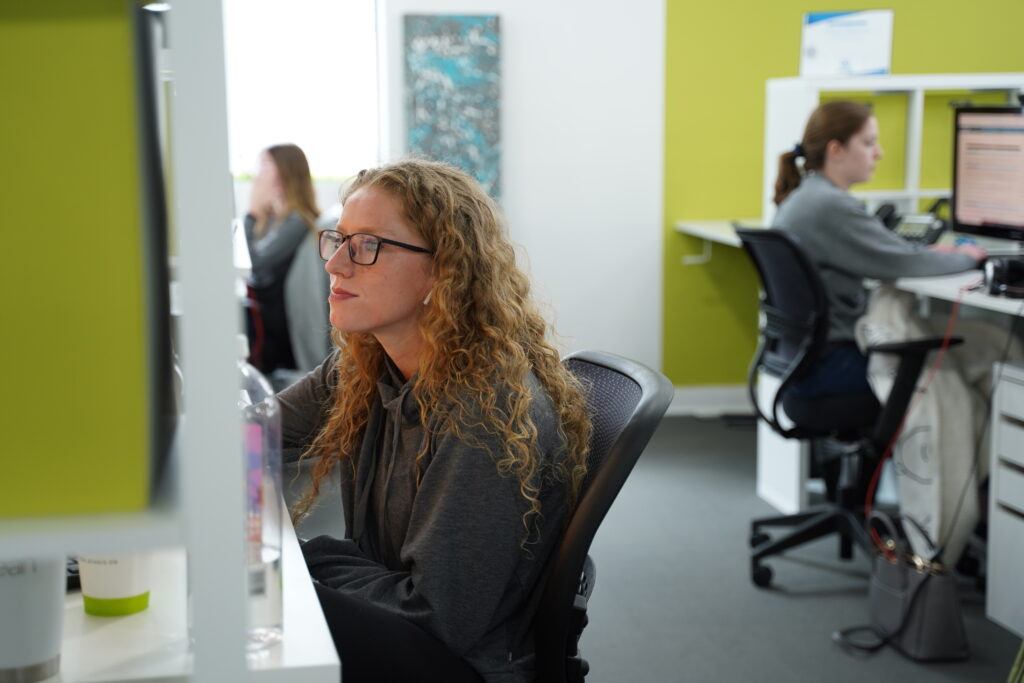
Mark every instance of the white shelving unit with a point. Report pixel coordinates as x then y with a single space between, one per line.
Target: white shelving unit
789 101
196 518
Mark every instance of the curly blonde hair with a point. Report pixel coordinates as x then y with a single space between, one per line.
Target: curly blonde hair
482 335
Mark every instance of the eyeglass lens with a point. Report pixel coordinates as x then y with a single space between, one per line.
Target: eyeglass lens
362 249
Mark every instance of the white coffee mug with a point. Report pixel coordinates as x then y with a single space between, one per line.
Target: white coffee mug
114 585
31 618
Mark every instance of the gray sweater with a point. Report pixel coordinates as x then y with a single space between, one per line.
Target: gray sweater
287 255
446 555
847 245
272 253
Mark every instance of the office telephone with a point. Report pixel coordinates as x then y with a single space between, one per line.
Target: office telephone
923 229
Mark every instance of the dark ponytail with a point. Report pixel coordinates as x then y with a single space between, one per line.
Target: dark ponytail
839 121
789 176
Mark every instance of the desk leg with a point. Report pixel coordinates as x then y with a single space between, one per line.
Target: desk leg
782 464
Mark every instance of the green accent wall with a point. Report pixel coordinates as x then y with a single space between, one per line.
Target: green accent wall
76 400
718 57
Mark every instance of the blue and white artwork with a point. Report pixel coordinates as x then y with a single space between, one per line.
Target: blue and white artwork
452 79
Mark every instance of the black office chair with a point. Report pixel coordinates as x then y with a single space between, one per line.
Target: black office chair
627 401
793 337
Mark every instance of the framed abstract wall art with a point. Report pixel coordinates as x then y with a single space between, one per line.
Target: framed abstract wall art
452 89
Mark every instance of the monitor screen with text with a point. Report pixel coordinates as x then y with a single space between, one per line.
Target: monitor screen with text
988 172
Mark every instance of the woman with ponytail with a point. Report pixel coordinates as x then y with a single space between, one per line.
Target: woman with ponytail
840 149
459 437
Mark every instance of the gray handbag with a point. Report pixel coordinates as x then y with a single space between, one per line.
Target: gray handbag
913 602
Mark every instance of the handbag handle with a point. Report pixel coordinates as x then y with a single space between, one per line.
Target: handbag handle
877 516
895 531
934 552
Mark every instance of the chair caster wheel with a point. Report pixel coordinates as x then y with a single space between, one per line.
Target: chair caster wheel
762 576
758 537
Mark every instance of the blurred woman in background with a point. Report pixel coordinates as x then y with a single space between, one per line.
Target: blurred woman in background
282 215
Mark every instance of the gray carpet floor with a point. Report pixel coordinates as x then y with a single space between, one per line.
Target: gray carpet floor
674 601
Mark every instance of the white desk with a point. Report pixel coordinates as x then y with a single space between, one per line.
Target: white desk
720 232
152 646
948 288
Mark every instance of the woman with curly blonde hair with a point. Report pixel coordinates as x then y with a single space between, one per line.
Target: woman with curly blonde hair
460 439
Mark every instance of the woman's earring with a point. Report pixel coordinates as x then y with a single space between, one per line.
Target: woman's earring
427 299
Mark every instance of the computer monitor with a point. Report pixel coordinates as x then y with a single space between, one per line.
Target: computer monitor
988 172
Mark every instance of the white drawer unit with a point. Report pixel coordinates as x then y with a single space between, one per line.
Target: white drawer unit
1011 387
1009 437
1004 601
1009 489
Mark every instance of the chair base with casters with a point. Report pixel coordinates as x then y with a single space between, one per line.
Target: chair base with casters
843 517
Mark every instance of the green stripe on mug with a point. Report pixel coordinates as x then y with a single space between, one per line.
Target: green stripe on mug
116 607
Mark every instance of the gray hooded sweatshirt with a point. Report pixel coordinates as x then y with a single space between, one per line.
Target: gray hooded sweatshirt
847 245
446 555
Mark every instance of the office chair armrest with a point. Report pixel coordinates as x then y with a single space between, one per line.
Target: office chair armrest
912 355
904 348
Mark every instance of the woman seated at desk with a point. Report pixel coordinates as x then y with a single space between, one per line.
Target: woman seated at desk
839 149
460 438
282 215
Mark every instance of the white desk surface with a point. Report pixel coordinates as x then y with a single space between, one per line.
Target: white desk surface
153 644
719 231
948 287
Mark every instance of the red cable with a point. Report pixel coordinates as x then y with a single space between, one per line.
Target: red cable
946 339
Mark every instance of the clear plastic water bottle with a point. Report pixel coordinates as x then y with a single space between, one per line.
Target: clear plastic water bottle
261 445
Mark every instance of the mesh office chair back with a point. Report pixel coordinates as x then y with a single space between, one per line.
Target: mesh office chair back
793 292
627 400
794 310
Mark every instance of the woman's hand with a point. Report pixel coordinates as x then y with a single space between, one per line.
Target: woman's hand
974 251
977 253
266 197
261 198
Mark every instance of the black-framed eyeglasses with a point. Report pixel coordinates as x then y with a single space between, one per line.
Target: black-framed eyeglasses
363 248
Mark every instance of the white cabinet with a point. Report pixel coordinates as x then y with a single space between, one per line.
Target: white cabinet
789 101
1004 601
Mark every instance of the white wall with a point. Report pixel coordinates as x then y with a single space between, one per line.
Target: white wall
582 132
327 195
299 85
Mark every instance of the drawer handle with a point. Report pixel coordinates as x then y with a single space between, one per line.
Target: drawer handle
1010 510
1011 465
